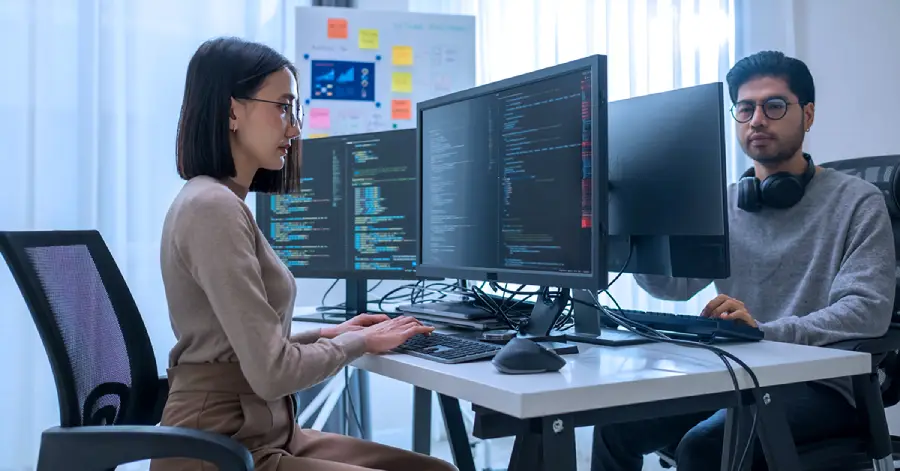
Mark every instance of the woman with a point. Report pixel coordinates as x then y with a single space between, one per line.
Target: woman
234 368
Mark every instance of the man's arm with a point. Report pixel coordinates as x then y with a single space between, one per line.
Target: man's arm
671 289
862 294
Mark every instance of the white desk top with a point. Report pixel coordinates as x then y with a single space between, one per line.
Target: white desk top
601 377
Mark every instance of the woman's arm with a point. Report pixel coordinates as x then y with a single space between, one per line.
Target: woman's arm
218 245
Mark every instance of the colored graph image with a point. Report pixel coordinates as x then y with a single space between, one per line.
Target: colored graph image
341 80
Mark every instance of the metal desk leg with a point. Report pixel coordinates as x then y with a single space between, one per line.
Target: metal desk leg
456 433
526 452
773 431
867 390
558 437
421 426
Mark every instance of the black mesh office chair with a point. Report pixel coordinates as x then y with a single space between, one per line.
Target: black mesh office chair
110 397
870 446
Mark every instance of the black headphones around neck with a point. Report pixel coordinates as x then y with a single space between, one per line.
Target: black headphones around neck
780 190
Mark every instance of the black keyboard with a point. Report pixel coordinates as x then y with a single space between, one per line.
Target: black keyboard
706 329
447 348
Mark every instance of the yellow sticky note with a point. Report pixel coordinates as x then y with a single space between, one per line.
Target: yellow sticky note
368 39
401 82
402 55
317 135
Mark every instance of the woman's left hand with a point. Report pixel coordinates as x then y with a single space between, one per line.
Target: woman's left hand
357 323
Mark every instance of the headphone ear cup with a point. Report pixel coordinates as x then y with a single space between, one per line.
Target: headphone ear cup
749 197
781 191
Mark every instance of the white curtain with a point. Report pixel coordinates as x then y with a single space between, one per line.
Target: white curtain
651 46
91 91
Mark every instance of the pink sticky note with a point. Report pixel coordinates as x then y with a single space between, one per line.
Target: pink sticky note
320 118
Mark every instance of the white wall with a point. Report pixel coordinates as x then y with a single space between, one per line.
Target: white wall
853 49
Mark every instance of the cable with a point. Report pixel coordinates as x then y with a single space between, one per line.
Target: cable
349 398
652 334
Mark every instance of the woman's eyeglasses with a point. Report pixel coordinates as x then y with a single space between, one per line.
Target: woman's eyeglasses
295 111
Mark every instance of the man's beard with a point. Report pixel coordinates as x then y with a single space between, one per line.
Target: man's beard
783 153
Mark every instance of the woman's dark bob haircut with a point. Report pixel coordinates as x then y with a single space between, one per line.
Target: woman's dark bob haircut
223 68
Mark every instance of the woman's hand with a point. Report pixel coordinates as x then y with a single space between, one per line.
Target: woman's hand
356 323
387 335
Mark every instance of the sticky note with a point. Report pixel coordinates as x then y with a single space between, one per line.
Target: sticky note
337 28
319 118
317 135
402 55
401 109
368 39
401 82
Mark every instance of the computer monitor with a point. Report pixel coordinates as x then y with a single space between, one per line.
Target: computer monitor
667 184
512 180
355 216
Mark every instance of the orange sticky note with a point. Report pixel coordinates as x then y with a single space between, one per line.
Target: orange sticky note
337 28
401 109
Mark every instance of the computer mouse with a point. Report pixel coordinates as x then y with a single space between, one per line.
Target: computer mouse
523 356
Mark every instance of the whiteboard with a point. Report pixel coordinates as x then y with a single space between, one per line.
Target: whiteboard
364 71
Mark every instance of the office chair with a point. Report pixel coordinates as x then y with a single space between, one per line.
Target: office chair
870 446
110 397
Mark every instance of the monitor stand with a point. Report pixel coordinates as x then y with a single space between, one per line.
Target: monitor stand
544 314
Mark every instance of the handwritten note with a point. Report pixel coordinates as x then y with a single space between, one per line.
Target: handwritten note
368 39
317 135
337 28
401 109
320 118
402 55
401 82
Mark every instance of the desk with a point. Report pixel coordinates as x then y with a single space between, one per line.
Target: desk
613 384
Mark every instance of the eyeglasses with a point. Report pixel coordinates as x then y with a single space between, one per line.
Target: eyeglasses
773 108
297 113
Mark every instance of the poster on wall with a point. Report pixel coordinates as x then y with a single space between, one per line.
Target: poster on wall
364 71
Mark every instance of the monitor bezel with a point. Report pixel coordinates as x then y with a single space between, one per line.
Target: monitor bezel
349 273
598 278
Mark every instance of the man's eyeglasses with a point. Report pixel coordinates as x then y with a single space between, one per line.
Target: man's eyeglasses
773 108
295 112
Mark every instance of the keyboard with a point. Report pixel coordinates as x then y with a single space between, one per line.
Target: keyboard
706 329
447 348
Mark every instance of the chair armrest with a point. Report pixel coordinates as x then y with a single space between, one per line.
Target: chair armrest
889 342
98 448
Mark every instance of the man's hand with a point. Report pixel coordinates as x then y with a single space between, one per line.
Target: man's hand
728 308
357 323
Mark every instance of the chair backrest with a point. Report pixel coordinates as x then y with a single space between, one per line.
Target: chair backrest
98 347
884 172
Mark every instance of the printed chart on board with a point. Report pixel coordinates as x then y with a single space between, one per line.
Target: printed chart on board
364 71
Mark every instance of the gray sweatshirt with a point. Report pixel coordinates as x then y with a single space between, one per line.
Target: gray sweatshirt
817 273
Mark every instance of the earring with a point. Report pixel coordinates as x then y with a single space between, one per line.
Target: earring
234 129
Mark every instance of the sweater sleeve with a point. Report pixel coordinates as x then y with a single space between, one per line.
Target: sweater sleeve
218 244
671 289
308 336
862 294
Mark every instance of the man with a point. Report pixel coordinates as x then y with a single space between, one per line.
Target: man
812 262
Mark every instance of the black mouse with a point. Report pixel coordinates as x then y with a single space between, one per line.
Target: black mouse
523 356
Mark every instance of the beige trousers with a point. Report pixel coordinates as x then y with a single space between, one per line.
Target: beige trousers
217 398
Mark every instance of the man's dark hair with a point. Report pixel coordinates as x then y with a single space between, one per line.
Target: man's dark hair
223 68
773 64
